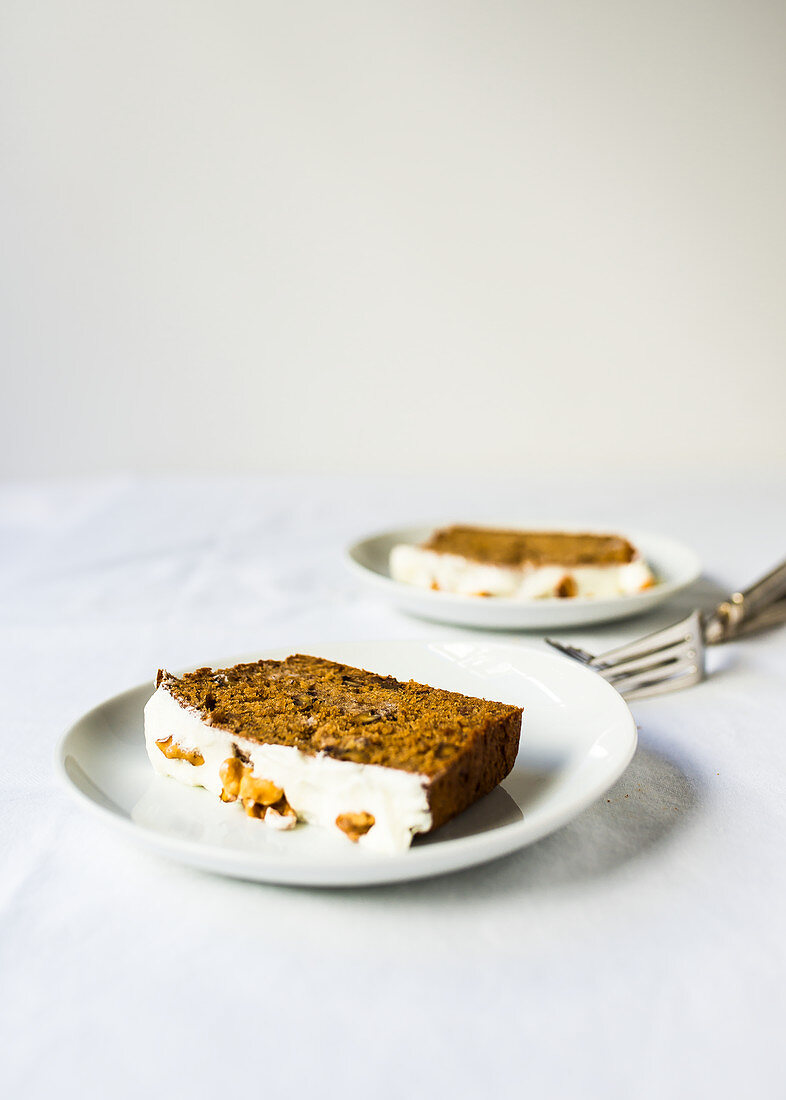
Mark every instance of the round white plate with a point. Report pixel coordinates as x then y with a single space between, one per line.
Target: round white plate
577 738
675 567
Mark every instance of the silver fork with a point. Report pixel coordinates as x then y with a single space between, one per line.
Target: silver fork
673 658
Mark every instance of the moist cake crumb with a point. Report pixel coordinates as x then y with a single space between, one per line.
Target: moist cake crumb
499 546
319 706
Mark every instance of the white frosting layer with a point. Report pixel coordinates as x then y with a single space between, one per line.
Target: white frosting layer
318 788
461 576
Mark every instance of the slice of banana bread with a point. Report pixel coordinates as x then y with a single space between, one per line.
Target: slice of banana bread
490 561
310 739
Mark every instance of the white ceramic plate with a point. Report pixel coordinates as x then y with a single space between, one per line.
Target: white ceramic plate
577 738
675 567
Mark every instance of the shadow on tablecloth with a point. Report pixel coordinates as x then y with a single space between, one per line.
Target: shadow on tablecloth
648 805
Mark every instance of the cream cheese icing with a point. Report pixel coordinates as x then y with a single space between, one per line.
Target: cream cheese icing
453 573
319 788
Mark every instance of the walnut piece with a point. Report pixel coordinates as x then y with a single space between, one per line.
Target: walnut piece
355 825
567 587
260 798
258 790
281 815
172 751
253 809
231 773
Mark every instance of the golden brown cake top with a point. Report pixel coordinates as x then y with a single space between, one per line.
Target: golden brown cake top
496 546
318 705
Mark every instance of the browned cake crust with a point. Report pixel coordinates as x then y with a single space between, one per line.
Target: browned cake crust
496 546
464 746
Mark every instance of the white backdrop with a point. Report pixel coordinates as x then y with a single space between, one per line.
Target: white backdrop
397 236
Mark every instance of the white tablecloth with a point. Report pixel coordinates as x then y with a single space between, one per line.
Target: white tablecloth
637 952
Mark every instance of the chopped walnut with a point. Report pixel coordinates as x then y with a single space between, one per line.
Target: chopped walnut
253 809
567 587
355 825
173 751
258 790
231 774
281 815
260 798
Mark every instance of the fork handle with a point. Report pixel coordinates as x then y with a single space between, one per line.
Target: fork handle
743 607
773 615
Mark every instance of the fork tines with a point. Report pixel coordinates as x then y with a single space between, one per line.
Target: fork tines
664 661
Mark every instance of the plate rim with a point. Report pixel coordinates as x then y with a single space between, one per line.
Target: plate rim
441 857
